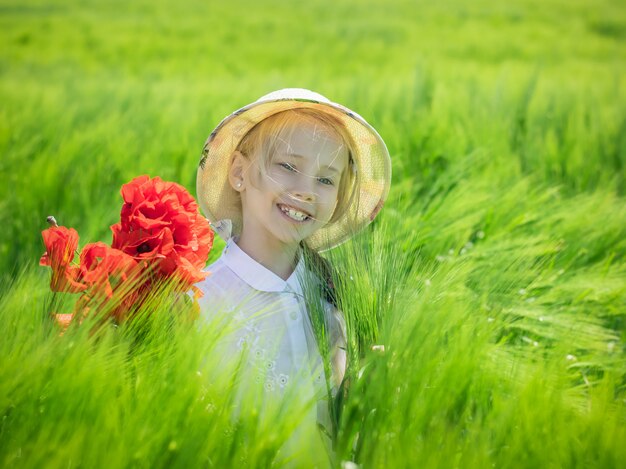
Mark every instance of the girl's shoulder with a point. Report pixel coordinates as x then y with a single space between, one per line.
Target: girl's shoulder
223 287
217 278
224 291
217 287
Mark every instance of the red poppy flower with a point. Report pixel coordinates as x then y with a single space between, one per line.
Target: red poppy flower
160 220
160 237
112 275
61 244
182 271
106 268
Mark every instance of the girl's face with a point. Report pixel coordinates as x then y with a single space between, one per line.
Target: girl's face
297 193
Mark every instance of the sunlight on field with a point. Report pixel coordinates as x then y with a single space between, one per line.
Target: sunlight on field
495 276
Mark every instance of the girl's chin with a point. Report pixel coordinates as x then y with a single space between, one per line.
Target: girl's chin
291 236
291 239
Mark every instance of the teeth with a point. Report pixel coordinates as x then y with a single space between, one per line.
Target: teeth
295 214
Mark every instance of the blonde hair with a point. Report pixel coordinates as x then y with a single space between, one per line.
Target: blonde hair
263 139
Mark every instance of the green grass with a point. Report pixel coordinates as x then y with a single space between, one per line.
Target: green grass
495 276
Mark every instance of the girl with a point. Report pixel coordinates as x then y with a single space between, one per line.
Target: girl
281 179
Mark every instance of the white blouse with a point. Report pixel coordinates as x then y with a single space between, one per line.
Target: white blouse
268 319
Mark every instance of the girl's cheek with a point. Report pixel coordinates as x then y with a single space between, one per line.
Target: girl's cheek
273 181
332 192
278 179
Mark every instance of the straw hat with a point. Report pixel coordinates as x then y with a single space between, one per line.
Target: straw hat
221 203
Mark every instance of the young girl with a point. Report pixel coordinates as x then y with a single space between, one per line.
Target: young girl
281 179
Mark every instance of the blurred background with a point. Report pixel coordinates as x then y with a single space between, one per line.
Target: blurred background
495 275
94 93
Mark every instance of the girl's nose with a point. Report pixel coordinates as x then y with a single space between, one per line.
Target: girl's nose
304 195
303 190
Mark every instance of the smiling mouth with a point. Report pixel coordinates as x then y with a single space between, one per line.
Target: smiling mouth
293 213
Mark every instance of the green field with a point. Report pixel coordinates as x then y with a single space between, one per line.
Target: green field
495 276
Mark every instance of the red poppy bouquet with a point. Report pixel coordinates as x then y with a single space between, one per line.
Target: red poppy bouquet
160 238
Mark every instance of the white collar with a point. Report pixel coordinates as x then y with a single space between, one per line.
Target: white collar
256 275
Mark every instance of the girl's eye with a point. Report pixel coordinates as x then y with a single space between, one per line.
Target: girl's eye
287 166
326 181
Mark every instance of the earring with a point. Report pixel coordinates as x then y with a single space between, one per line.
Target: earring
238 185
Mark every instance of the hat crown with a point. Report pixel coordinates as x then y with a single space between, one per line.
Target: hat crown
294 94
